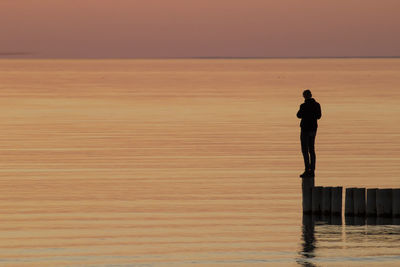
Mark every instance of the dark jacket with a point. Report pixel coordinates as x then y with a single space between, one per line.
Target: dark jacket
310 112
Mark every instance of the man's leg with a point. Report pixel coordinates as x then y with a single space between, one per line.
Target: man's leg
311 149
304 149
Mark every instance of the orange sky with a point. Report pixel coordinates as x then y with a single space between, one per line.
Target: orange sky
200 28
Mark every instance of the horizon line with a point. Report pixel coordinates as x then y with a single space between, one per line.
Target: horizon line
7 56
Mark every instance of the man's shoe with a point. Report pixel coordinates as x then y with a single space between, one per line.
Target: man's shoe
304 174
308 173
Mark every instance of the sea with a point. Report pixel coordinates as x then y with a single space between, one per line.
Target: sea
191 162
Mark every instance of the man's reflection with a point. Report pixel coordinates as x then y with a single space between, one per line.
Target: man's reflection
327 228
308 245
308 236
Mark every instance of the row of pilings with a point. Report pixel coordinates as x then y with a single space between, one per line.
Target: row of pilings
359 202
372 202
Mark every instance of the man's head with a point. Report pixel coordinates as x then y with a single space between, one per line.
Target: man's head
307 94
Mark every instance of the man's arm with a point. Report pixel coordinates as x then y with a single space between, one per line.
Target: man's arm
300 113
319 114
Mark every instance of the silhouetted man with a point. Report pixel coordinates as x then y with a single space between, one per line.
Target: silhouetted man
309 113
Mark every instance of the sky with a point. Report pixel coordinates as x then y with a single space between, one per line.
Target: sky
199 28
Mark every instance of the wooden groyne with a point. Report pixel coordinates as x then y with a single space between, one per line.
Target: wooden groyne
321 200
359 202
373 202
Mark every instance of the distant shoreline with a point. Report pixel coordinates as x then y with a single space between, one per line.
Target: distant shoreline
20 56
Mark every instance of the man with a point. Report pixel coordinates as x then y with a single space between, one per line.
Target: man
309 113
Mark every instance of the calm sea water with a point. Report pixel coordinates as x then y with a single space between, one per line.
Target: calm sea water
190 162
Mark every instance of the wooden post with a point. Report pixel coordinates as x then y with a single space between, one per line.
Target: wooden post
380 202
326 218
316 199
326 200
384 202
388 202
307 185
371 220
349 205
337 193
384 220
349 220
396 202
359 201
336 220
371 202
359 220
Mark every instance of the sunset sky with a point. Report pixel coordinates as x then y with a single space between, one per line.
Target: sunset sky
199 28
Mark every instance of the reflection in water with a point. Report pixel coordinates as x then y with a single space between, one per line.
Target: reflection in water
380 232
333 242
309 242
308 236
330 220
357 220
325 228
384 221
381 237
